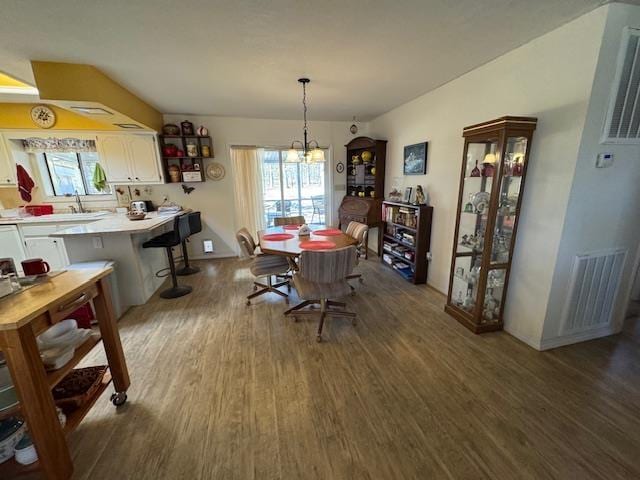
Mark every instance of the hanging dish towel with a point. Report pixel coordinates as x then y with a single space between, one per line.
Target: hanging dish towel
25 183
99 178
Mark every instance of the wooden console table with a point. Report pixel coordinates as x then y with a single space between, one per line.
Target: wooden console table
25 316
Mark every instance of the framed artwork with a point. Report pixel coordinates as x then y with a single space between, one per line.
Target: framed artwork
407 195
415 159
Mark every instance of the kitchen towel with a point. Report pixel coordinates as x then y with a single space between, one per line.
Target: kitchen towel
99 178
25 183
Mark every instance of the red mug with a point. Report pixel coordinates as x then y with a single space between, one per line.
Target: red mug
35 266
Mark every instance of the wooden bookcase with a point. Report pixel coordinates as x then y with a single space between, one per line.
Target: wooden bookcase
188 165
492 179
405 239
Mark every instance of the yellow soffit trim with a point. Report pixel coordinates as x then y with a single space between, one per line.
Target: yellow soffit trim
71 84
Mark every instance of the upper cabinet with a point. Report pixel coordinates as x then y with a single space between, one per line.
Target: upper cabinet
130 159
7 167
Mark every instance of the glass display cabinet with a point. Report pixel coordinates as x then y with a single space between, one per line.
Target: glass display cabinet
494 168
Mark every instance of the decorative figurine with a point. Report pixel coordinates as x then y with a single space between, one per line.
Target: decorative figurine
202 131
476 171
187 128
420 196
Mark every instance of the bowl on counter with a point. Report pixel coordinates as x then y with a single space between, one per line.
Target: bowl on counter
136 216
11 432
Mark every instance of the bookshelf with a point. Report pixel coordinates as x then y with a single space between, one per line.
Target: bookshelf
406 239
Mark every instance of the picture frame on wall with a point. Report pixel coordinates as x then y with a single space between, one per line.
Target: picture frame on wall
415 158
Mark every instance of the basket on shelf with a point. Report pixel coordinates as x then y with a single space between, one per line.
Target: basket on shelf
78 387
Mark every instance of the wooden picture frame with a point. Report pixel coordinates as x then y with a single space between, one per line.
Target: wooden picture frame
415 159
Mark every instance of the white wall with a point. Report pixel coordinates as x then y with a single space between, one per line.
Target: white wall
215 199
549 78
604 205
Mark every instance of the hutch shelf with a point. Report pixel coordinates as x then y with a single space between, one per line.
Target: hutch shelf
191 168
366 160
494 168
405 239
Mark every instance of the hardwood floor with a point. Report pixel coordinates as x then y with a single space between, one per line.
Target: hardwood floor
224 391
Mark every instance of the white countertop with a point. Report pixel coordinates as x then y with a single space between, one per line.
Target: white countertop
118 224
55 218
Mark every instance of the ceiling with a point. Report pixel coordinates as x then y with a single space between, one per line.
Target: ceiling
243 57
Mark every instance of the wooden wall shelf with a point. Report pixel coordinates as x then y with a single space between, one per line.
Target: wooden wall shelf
189 165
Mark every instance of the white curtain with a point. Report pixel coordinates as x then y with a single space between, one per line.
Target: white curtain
246 163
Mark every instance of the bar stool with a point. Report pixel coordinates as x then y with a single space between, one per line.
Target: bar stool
195 226
169 240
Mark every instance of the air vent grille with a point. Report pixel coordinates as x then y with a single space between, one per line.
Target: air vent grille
623 119
593 288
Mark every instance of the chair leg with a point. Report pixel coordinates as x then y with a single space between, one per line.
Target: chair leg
186 269
176 290
269 287
323 314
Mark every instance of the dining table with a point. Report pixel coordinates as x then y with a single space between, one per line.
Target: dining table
292 246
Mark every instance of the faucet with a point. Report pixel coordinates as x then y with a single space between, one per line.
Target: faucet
80 208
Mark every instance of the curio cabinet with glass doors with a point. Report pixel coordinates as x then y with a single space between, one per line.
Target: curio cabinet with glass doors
494 168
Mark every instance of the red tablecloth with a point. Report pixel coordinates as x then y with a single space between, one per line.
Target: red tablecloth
327 232
274 237
317 245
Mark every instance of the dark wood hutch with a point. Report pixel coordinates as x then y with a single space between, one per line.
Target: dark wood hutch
365 170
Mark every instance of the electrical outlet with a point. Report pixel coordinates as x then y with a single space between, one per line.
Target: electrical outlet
207 246
97 242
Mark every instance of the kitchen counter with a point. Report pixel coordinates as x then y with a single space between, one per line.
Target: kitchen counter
118 224
55 218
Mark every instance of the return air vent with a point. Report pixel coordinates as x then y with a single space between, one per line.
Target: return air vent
623 118
593 288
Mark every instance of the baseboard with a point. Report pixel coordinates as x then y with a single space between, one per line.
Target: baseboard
561 341
530 341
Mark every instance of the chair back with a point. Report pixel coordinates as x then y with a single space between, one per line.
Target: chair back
317 201
246 242
358 231
195 222
183 229
298 220
327 266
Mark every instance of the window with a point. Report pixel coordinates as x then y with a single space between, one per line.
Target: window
291 189
72 172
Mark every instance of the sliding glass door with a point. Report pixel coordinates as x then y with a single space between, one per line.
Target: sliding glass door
291 189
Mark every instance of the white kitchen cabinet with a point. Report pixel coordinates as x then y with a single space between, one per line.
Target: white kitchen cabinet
51 250
11 245
130 159
7 166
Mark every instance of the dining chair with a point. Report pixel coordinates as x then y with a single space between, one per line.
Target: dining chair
321 276
317 202
280 221
263 265
360 232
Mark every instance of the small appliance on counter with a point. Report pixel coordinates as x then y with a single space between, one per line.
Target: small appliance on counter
142 206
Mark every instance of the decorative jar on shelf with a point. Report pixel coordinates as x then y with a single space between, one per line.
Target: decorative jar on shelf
174 174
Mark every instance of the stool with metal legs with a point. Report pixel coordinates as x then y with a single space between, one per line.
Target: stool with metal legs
169 240
195 226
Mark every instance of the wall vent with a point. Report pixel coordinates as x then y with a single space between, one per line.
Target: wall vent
623 117
593 288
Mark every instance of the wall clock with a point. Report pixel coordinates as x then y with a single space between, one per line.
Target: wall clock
43 116
339 167
215 171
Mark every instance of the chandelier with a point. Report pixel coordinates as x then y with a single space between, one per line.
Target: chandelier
311 151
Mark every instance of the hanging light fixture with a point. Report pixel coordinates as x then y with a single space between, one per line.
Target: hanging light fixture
311 151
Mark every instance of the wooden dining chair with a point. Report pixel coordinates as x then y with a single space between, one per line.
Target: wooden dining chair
297 220
321 276
264 265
